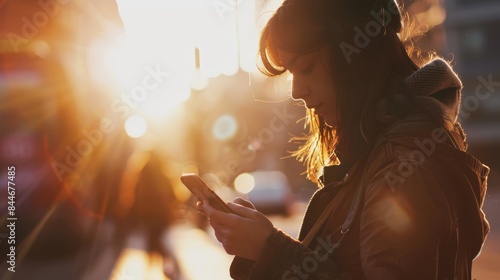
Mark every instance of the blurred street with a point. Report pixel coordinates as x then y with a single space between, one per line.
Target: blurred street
199 258
199 254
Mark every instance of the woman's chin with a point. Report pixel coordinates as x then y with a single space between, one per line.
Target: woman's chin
330 121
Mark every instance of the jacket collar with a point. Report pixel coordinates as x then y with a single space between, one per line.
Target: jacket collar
335 174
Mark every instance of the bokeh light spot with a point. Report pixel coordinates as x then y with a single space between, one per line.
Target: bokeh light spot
135 126
244 183
224 127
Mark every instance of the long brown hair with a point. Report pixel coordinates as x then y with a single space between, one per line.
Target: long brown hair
363 75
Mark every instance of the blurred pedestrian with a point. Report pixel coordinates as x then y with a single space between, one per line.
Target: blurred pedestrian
150 206
399 196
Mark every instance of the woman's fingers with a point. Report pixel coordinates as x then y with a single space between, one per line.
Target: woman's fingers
216 215
243 202
199 207
243 211
219 236
240 207
241 233
217 226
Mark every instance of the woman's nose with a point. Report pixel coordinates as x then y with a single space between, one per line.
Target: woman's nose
299 90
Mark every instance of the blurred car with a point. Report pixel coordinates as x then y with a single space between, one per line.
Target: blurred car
271 193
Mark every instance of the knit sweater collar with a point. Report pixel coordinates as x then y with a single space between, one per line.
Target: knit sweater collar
432 78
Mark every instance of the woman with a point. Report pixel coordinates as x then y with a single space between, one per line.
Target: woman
399 197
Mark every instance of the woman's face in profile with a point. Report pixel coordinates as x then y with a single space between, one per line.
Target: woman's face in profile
312 81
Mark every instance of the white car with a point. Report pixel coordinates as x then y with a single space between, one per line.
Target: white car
271 193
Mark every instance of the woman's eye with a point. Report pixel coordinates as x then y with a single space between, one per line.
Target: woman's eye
308 69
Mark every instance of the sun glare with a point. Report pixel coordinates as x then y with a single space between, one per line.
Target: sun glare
225 34
192 41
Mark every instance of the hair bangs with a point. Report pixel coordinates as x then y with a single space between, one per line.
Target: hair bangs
269 61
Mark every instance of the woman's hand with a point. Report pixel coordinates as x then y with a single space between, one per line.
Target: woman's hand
243 233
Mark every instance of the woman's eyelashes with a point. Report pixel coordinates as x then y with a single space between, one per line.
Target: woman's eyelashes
306 70
303 68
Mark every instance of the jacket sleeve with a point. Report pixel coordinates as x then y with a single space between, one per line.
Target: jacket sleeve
283 257
404 216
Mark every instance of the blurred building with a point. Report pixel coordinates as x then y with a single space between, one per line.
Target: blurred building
472 28
465 32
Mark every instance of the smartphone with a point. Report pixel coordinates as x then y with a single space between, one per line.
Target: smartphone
203 192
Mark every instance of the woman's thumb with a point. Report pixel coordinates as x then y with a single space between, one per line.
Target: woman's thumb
243 202
241 210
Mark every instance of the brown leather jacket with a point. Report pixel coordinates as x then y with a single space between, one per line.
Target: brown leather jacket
421 215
